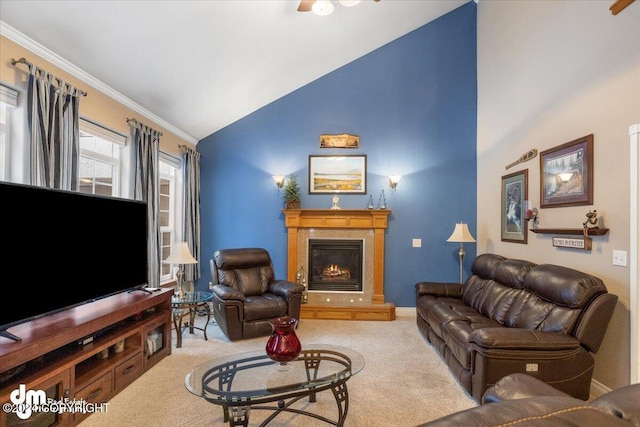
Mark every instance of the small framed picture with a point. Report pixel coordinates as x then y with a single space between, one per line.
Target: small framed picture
514 195
338 174
343 140
566 174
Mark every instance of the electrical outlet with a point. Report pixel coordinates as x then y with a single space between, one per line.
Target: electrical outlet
416 243
532 367
620 258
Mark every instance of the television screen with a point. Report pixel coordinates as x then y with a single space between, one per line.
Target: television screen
63 248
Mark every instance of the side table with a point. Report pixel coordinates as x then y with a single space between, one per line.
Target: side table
187 305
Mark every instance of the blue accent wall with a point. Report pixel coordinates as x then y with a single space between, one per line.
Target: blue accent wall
413 103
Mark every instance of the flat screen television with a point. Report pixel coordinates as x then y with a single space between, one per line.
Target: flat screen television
62 249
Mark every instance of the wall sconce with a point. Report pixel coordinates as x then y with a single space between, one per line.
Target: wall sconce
393 181
279 180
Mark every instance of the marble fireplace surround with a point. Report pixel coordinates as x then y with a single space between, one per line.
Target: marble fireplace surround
368 225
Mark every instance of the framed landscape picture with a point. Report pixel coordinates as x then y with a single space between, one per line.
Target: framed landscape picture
338 174
514 194
566 174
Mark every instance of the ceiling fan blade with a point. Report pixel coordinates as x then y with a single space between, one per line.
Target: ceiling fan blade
305 5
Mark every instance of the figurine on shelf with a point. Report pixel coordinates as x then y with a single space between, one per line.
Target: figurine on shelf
382 202
532 217
370 206
591 222
335 200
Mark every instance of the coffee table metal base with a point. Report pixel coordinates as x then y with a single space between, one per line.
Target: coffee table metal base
238 415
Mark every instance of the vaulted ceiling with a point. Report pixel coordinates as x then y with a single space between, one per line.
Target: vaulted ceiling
198 66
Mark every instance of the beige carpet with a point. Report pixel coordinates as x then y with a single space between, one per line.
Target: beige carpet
404 382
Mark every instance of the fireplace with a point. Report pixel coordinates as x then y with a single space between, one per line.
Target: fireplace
366 226
336 265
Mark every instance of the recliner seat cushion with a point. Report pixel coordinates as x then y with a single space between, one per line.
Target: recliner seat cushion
264 307
456 336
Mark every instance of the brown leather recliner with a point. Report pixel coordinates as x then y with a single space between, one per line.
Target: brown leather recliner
522 400
246 294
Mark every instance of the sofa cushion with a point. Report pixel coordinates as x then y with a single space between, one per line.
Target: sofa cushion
444 310
520 294
564 286
457 332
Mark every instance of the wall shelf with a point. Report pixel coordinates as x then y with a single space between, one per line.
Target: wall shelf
572 231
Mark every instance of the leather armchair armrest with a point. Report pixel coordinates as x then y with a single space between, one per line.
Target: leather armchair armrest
285 288
227 293
521 339
439 289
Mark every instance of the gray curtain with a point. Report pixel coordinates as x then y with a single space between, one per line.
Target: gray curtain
191 231
147 149
53 117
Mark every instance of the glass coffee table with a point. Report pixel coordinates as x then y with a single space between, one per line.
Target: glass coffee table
245 381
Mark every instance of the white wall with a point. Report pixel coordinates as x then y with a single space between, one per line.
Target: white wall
550 72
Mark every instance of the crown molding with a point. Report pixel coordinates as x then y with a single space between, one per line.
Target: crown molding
35 47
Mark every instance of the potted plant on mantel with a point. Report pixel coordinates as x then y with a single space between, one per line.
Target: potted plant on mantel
291 194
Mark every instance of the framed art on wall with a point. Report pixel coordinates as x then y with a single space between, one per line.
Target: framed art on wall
338 174
566 174
343 140
514 193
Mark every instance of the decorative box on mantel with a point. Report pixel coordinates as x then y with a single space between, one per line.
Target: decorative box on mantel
368 225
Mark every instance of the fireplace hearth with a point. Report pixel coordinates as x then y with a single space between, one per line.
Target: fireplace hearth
335 265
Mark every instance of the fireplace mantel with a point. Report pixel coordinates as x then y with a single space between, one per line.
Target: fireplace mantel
346 219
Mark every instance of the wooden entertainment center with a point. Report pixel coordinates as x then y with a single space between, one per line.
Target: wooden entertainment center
88 353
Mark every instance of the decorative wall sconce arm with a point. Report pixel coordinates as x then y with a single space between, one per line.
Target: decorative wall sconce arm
279 180
393 181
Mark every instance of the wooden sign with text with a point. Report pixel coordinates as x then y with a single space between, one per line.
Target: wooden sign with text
573 242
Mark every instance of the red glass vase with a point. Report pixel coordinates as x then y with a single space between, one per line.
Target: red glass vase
283 345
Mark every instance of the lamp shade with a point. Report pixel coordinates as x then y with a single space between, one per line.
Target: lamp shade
180 254
461 234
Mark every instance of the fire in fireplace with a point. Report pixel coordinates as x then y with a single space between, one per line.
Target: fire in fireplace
335 265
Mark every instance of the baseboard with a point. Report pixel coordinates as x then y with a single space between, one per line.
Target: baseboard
405 311
597 389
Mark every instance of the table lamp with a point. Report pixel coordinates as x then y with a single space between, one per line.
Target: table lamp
461 234
180 255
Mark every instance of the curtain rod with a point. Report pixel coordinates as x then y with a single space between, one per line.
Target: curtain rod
190 150
14 62
137 123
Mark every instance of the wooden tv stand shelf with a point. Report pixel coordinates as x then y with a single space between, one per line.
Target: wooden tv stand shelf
87 353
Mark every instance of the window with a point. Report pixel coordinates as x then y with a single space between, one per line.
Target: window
100 157
169 212
8 100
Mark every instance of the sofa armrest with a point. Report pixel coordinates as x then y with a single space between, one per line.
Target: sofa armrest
439 289
285 288
519 386
521 339
227 293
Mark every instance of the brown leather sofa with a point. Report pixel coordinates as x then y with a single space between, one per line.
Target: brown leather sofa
246 294
522 400
516 316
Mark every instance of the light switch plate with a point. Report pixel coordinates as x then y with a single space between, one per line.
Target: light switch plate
620 258
416 243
